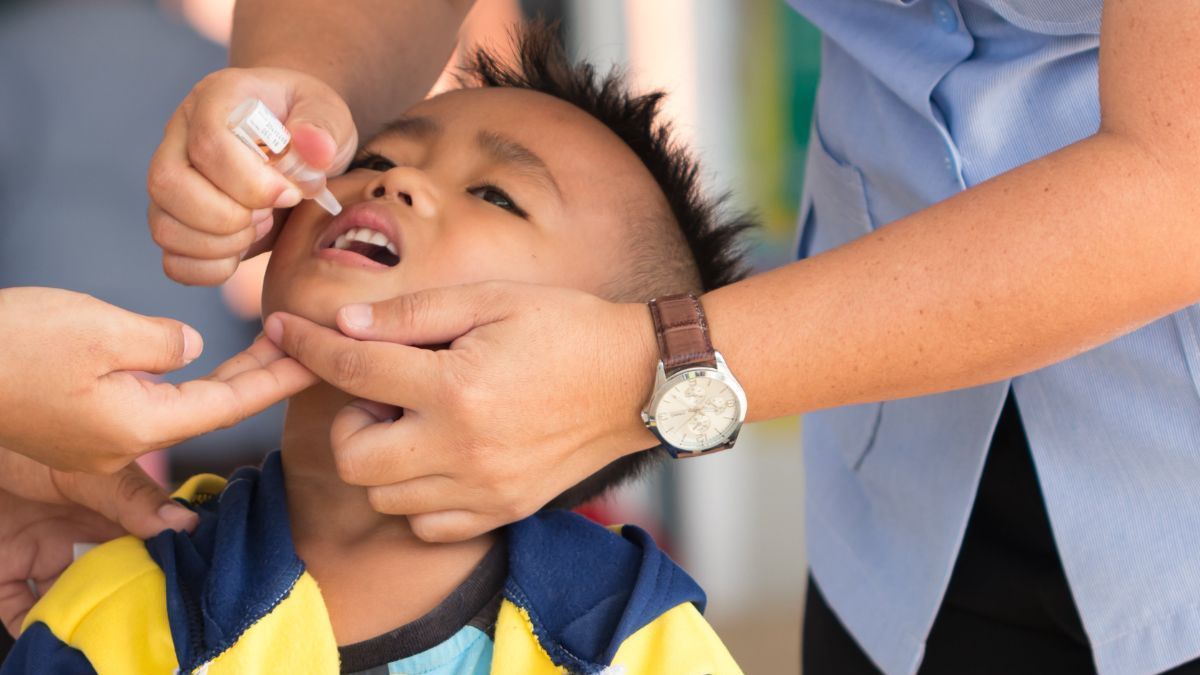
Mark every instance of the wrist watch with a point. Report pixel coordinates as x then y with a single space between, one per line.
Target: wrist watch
697 406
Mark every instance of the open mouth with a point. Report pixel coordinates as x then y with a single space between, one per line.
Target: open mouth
365 235
370 244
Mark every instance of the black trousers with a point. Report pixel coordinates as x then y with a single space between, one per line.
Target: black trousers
961 643
1008 609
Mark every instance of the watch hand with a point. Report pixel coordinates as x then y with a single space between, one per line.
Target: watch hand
679 426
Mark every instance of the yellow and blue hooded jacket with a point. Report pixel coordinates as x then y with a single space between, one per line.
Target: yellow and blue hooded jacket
234 597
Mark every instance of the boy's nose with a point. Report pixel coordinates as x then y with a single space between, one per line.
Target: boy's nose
407 185
380 191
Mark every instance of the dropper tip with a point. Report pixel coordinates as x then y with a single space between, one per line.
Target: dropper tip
327 201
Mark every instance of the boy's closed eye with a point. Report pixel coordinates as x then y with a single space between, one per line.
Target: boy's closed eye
372 161
494 195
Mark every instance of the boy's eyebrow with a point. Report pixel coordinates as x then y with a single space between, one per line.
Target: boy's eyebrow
502 149
505 150
419 127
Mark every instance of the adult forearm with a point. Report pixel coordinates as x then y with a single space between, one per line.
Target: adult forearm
380 55
1025 270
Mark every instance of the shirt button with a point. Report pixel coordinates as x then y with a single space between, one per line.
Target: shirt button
944 14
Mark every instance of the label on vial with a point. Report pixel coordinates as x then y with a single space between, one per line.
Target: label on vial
261 128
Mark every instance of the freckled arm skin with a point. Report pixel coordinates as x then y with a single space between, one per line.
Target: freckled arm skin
1024 270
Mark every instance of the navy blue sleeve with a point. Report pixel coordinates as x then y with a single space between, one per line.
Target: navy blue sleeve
39 652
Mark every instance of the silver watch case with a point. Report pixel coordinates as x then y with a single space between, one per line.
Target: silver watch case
664 384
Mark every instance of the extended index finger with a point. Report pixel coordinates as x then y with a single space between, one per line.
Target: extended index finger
243 386
259 355
397 374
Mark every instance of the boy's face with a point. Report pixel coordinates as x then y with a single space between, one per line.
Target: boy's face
472 185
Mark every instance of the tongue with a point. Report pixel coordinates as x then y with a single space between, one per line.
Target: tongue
379 254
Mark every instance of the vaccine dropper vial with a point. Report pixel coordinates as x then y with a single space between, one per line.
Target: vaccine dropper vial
255 125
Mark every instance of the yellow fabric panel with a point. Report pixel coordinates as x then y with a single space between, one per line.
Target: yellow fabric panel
295 637
200 488
111 604
680 642
516 651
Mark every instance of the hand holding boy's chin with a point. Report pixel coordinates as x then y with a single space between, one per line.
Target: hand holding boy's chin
318 299
541 388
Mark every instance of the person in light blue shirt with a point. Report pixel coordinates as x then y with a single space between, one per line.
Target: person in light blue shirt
999 245
921 101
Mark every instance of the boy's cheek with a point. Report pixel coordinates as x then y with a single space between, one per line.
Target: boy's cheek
297 230
291 253
466 260
315 302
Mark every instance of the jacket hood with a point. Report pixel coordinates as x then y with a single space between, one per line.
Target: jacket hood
585 589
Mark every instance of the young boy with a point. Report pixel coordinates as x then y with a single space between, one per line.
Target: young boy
540 173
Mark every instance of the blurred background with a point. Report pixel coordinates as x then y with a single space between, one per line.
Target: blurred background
86 87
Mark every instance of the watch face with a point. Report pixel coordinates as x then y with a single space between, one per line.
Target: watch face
698 411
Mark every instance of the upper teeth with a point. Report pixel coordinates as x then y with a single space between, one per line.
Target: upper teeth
364 235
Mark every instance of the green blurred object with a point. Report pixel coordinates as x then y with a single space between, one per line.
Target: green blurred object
781 61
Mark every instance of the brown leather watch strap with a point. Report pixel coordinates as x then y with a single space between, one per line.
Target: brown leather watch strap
682 332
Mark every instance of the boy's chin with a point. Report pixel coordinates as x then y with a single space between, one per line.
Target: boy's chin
319 304
322 312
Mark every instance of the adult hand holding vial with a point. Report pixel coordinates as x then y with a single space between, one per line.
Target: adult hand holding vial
211 200
259 129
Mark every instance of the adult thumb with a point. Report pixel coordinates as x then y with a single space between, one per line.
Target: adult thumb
152 344
434 316
129 498
323 131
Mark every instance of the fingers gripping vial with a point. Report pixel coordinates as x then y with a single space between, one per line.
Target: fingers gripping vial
256 126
